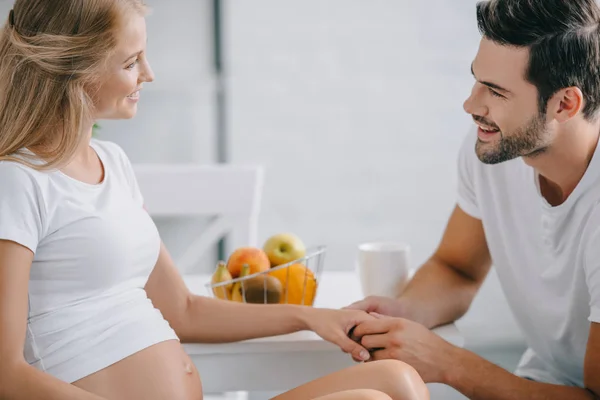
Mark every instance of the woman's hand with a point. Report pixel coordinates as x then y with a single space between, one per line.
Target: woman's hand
335 326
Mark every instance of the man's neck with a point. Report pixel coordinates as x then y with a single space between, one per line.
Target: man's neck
563 165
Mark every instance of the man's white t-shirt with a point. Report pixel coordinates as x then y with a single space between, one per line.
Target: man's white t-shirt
547 258
94 249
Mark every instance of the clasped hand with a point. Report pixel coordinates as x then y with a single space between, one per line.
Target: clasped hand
367 335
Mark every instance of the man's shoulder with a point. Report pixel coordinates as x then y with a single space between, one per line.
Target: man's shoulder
591 229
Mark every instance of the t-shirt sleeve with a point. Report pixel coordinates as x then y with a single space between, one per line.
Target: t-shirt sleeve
467 161
21 207
592 267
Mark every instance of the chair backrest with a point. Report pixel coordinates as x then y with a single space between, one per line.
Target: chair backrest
229 193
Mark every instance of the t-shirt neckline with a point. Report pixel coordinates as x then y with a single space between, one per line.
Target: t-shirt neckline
589 178
98 185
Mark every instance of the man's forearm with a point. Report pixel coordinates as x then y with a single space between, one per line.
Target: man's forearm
211 320
437 295
479 379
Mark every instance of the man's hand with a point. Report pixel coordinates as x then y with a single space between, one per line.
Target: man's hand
335 326
380 305
408 341
402 307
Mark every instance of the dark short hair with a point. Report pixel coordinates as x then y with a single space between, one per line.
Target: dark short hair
563 37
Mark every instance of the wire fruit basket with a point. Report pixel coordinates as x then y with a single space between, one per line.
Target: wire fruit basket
295 282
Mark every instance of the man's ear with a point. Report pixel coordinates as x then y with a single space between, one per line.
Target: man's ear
566 104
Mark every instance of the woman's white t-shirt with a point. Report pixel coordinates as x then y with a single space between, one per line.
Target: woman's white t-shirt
94 249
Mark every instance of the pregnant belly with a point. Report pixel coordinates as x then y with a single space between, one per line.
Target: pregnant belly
160 372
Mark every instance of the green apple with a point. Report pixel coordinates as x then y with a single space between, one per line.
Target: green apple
284 248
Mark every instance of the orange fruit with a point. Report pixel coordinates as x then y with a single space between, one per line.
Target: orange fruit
299 284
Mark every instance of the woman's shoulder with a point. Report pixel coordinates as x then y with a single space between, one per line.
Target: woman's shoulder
14 173
22 186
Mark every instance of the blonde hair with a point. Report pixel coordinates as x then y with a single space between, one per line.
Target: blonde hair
51 53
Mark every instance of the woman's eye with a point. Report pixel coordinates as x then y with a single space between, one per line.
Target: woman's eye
132 65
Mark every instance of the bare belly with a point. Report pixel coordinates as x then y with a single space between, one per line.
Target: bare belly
160 372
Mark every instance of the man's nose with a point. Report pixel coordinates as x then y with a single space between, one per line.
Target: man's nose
473 104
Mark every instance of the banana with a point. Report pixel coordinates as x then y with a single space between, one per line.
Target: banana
236 292
220 275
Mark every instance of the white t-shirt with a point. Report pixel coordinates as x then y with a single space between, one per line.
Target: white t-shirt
94 249
547 258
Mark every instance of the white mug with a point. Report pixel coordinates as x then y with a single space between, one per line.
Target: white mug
383 268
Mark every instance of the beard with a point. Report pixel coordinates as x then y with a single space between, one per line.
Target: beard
528 140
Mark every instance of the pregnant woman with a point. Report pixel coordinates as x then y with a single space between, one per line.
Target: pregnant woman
91 304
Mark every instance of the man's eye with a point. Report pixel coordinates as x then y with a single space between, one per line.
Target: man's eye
494 93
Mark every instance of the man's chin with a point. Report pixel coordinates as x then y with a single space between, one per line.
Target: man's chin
489 153
482 148
492 158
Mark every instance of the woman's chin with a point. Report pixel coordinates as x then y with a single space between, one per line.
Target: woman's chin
123 113
130 113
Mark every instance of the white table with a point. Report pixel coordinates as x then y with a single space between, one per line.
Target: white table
282 362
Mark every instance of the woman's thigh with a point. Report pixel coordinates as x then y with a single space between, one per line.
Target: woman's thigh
358 394
394 378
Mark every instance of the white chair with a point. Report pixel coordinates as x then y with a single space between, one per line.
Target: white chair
230 193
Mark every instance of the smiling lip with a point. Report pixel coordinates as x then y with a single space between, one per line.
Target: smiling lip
484 135
135 96
486 128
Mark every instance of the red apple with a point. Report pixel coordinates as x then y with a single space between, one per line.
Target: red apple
256 259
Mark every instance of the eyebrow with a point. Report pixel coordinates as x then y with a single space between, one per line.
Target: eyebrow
133 55
490 84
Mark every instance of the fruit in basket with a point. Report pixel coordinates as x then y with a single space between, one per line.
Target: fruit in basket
262 289
284 248
299 284
221 275
254 257
236 290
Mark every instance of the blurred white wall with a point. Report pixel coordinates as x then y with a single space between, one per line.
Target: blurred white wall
355 107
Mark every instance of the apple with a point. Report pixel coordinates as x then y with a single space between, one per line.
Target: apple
284 248
256 259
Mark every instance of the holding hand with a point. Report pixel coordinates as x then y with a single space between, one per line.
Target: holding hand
407 341
402 307
335 326
380 305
